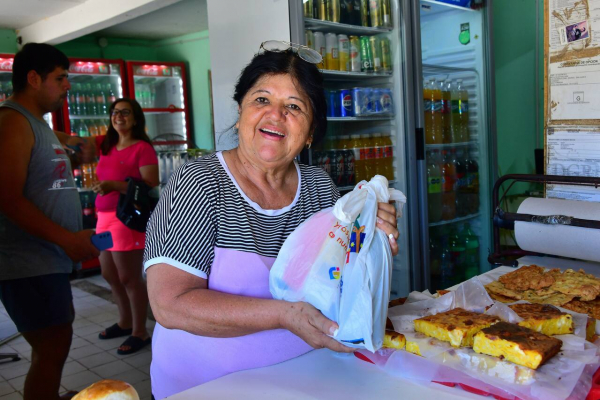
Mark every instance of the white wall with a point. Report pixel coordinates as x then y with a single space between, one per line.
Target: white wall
236 29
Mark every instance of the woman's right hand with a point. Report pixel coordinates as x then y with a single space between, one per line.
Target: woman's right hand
308 323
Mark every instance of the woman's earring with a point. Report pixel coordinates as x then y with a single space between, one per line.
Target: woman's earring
309 144
235 128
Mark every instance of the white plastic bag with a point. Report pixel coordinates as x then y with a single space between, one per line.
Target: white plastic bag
340 263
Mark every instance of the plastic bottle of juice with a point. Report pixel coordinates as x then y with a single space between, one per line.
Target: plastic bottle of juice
463 96
366 154
433 124
90 98
434 186
378 154
471 244
388 156
472 186
103 127
448 186
93 128
446 111
356 144
455 119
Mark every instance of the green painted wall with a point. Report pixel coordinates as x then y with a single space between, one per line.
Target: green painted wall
8 41
515 55
127 49
194 50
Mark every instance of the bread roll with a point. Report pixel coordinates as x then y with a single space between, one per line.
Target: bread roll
108 390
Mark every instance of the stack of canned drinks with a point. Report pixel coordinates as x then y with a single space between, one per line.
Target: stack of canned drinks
369 54
359 102
373 13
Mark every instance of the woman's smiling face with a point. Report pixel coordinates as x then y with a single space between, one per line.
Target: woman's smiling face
275 121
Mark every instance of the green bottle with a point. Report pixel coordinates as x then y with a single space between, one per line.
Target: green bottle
471 244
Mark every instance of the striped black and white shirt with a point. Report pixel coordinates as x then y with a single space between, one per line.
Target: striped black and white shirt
203 209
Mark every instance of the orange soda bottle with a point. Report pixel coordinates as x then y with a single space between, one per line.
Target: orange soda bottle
433 115
378 154
388 156
356 144
367 155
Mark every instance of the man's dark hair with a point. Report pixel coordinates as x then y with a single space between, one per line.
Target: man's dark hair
305 74
39 57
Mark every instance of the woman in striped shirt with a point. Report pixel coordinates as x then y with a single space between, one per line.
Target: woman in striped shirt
220 224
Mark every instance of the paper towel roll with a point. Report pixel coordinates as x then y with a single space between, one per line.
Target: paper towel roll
560 240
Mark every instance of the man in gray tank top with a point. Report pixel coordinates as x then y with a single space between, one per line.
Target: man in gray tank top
41 236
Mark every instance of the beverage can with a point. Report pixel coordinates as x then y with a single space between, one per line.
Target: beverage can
344 52
366 56
361 100
375 13
346 104
376 52
355 65
319 42
387 101
346 14
386 13
376 104
332 103
386 57
332 60
323 12
364 12
308 8
333 10
309 38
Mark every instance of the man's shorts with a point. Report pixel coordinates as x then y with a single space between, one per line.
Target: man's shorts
38 302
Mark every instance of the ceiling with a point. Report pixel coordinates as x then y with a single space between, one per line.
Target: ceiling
185 16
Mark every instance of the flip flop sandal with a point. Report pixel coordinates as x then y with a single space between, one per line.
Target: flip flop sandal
114 331
135 344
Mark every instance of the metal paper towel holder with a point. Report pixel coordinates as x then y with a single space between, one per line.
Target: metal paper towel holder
506 220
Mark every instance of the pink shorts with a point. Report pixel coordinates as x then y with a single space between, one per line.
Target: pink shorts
124 239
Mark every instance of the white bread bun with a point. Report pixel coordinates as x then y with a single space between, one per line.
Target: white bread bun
108 390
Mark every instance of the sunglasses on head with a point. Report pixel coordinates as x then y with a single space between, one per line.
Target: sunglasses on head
306 53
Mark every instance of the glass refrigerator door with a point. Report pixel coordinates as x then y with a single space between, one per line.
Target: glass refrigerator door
363 78
160 90
94 86
456 139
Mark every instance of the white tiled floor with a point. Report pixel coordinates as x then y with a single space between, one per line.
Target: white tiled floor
90 358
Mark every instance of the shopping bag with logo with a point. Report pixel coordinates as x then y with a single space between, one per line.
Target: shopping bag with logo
328 256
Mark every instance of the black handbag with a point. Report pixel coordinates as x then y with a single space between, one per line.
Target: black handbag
136 205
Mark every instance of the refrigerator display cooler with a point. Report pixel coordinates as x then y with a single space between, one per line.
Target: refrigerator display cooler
377 109
6 89
161 90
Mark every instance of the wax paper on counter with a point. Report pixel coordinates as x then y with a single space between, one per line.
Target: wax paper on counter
552 381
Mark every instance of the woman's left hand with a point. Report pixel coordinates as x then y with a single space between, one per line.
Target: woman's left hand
103 187
387 222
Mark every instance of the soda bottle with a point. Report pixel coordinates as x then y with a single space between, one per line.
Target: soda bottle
74 127
472 185
80 100
8 89
346 146
388 157
83 130
110 94
446 264
70 101
93 128
435 255
90 98
86 170
339 163
448 183
101 101
433 101
457 255
152 92
455 119
446 111
471 244
326 160
77 177
458 159
463 96
434 186
378 155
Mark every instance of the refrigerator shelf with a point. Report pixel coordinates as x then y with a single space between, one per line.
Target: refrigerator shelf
386 117
434 6
455 220
89 116
430 69
330 75
336 27
449 145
